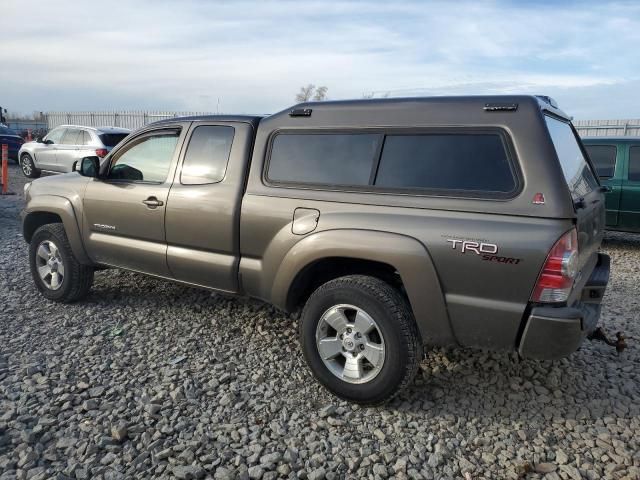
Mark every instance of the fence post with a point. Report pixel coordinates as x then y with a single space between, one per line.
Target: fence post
5 168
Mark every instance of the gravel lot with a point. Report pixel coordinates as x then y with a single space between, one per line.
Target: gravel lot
149 379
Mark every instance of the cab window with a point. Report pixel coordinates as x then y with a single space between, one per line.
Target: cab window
146 159
207 155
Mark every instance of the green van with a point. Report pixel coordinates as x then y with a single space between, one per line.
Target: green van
617 161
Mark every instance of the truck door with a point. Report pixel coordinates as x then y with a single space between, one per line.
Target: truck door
608 160
630 198
203 209
124 213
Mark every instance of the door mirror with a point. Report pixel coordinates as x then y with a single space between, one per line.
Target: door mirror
89 167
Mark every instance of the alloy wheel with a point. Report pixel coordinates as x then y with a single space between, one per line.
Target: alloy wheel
350 344
50 265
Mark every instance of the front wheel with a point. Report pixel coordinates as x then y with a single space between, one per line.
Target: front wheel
55 271
360 339
28 167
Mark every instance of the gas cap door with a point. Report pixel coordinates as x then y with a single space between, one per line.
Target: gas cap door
305 220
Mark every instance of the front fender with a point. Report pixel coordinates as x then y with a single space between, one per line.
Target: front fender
61 207
408 256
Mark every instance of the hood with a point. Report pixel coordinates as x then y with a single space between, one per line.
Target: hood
69 185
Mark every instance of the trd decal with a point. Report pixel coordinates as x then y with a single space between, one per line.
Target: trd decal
478 248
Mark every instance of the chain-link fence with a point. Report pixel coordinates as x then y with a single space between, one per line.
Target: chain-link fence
608 128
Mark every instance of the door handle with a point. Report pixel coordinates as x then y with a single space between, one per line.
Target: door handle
153 202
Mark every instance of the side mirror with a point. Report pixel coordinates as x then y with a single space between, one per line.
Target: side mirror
89 167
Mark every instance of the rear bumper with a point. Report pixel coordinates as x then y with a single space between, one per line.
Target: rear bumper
555 332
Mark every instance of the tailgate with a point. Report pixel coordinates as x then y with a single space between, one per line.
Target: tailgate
586 194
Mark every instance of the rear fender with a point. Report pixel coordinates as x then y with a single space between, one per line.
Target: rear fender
408 256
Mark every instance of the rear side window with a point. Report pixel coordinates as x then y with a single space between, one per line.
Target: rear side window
603 158
112 139
463 162
323 158
634 164
86 138
577 172
207 155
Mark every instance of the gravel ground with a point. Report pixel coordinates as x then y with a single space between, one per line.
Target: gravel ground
149 379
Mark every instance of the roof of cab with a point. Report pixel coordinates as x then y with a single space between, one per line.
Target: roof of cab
252 119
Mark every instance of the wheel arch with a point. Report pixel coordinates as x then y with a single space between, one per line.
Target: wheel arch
44 209
398 259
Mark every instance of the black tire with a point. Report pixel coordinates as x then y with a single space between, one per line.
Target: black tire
77 279
391 313
28 167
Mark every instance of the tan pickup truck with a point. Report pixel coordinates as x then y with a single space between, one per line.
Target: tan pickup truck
391 225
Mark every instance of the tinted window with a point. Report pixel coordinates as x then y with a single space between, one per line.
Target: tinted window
72 137
336 159
634 164
603 158
55 135
207 155
577 172
112 139
472 162
147 159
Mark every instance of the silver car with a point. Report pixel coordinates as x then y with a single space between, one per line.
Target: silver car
63 145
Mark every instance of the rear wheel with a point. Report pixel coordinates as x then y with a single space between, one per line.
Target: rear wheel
55 271
360 339
28 167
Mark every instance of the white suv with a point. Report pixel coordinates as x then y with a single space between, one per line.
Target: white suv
63 145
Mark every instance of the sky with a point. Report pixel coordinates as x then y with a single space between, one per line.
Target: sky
253 56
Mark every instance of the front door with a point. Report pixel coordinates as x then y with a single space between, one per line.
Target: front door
124 213
630 198
46 152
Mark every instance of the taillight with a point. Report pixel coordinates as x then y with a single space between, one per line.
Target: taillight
102 152
559 271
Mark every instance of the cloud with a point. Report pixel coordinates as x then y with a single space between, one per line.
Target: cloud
254 56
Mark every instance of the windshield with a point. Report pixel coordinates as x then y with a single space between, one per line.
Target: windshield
112 139
577 172
7 131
